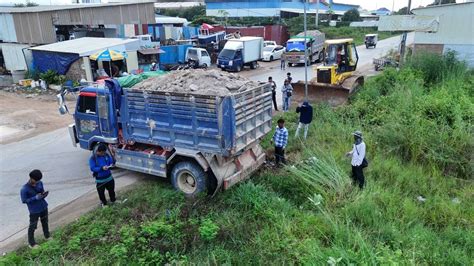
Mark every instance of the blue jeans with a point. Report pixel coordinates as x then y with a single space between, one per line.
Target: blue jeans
286 103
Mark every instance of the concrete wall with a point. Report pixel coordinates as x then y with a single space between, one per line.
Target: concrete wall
456 24
455 31
76 71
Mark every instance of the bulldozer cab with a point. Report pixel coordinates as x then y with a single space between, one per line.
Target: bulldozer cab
343 54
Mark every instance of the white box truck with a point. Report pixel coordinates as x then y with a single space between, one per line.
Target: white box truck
237 53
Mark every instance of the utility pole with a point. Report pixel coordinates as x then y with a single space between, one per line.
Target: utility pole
404 38
317 13
305 57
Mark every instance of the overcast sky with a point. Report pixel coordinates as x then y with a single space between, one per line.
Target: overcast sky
367 4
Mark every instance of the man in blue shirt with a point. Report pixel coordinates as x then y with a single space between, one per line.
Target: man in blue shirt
33 195
280 138
100 164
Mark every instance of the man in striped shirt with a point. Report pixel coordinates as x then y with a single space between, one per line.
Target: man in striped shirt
280 138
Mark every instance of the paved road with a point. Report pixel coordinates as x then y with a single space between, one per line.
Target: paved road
65 175
364 66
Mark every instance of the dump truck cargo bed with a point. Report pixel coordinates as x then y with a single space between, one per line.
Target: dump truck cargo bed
223 125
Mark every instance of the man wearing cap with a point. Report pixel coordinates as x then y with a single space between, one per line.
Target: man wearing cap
358 159
33 195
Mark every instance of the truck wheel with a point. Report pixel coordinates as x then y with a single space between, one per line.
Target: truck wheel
238 69
366 46
271 58
189 178
253 65
204 66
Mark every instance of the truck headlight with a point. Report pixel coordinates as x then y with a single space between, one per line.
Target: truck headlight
231 63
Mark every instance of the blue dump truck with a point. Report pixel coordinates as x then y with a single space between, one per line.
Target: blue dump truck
201 142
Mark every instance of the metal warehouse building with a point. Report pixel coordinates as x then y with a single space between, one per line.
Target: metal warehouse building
21 28
455 30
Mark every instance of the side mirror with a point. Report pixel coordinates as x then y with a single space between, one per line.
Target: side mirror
62 106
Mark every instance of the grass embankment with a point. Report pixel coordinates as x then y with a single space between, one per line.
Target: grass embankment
418 128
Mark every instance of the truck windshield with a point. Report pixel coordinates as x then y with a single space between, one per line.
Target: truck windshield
226 53
369 38
295 46
192 54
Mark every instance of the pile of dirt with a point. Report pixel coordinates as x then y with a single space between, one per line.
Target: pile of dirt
198 81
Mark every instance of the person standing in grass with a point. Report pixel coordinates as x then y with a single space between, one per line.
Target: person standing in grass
280 138
273 85
33 195
358 161
100 164
287 91
306 116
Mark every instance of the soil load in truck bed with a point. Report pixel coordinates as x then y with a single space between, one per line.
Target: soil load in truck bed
198 82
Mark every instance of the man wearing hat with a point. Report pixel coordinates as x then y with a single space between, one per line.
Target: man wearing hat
358 159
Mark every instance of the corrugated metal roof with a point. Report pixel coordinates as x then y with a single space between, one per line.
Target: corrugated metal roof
49 8
84 46
170 20
175 5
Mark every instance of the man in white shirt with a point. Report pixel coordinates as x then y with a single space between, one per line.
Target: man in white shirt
358 159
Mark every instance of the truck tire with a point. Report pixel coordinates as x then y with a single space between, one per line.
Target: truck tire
239 68
271 58
253 65
189 178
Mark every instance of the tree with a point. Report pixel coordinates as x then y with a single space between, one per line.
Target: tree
351 15
443 2
401 11
28 4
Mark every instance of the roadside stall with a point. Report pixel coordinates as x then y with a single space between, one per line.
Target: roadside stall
110 60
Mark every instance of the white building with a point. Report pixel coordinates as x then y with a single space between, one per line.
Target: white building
455 30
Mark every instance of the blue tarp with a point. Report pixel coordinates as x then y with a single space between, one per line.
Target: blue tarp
174 54
59 62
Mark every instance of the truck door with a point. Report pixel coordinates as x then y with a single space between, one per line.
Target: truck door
105 115
87 120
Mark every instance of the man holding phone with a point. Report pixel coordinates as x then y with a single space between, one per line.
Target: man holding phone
100 164
33 195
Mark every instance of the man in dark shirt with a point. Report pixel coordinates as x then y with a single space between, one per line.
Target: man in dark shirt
33 195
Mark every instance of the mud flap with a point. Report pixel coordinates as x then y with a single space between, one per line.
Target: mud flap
238 168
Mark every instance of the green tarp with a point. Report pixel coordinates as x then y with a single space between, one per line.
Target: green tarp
130 81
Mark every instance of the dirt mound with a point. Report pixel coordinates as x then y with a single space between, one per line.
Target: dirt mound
198 81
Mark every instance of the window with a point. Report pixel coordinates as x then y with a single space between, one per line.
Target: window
204 53
87 105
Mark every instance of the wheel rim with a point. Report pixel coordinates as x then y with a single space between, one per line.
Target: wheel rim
186 182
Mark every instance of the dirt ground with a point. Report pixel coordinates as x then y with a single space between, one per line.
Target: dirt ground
22 117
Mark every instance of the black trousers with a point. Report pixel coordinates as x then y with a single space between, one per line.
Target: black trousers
274 99
358 176
280 155
43 216
110 186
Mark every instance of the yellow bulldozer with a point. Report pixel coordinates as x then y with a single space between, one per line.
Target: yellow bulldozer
335 79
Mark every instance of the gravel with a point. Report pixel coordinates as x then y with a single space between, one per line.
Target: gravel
199 82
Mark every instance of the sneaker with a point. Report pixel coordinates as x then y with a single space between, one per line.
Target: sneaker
103 205
35 246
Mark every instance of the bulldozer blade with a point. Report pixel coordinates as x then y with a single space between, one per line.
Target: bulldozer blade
334 95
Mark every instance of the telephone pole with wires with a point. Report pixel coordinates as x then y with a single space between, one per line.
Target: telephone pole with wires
305 57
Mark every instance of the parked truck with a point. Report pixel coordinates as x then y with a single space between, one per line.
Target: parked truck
313 43
201 142
238 53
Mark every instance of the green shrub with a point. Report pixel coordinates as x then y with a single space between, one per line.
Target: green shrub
208 229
